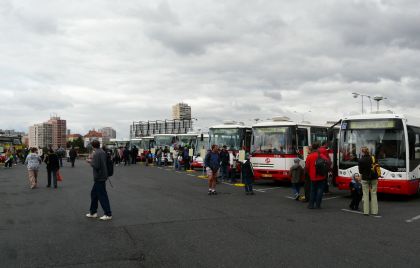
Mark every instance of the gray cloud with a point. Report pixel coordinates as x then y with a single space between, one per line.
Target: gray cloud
109 62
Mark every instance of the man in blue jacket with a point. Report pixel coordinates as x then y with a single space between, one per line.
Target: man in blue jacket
212 164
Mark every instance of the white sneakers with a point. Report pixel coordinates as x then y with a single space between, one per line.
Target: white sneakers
106 218
103 218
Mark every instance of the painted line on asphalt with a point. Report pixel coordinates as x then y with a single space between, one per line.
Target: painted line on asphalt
265 189
413 219
358 212
323 199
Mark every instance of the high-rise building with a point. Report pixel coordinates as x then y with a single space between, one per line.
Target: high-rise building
51 133
59 132
40 135
108 132
181 111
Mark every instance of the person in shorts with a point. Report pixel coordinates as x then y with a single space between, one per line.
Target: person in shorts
212 164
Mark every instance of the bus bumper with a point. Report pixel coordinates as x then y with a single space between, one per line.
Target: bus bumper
277 175
398 187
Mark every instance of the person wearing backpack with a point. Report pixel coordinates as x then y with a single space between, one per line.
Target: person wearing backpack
370 172
317 168
99 161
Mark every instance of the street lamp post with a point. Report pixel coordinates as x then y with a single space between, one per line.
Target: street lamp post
303 114
356 95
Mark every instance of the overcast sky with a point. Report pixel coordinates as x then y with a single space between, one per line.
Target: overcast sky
108 62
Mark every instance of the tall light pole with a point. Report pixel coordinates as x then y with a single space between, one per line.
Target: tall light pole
303 114
356 95
378 99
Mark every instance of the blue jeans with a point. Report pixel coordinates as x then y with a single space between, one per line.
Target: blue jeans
248 184
317 191
176 163
99 193
296 189
54 177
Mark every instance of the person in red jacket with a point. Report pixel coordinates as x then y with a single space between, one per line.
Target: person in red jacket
325 152
317 180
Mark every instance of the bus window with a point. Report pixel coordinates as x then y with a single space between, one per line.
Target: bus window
319 135
302 134
414 146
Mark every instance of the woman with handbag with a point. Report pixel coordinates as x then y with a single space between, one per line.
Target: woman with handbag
368 170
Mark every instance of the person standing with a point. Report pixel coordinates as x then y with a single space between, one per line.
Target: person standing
356 191
296 173
247 175
212 164
367 170
134 154
186 158
9 159
325 152
225 159
73 156
175 157
98 162
317 175
126 155
53 165
32 162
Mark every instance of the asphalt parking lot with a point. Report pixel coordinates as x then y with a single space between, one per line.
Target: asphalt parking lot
164 218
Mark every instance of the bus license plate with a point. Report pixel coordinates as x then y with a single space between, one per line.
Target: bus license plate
266 175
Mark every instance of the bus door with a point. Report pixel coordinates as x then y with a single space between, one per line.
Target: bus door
302 134
247 140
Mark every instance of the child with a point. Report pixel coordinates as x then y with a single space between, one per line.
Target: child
296 174
247 175
356 191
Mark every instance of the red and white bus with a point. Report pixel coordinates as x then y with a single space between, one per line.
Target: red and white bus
236 136
277 143
394 143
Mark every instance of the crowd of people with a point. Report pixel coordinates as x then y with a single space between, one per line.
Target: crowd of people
313 178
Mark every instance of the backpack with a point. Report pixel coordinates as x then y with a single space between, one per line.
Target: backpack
109 165
321 166
375 170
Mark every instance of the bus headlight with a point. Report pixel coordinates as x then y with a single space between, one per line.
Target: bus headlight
399 175
393 175
344 173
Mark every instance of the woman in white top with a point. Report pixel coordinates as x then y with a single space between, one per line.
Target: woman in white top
32 162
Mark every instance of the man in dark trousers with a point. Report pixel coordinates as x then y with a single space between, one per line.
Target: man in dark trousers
225 159
134 154
53 166
98 161
72 155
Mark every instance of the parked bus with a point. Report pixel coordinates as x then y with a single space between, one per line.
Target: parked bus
394 143
236 136
165 141
189 139
201 144
277 143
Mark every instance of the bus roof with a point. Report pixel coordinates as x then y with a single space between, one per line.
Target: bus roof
165 135
230 126
372 116
286 124
188 135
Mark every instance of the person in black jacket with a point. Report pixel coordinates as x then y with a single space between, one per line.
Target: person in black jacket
53 165
225 159
369 183
247 175
72 155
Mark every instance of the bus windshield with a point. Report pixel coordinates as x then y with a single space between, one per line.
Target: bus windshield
162 141
384 138
273 140
187 140
203 144
231 137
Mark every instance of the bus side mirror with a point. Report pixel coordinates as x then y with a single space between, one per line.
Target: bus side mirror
202 137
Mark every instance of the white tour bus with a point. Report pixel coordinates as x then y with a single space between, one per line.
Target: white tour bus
393 142
275 145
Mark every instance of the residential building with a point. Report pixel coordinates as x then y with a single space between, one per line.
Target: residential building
59 129
94 135
181 111
41 135
108 132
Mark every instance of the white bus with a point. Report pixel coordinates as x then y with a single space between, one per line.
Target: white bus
236 136
277 143
393 142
